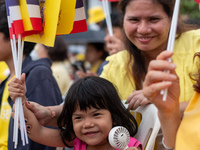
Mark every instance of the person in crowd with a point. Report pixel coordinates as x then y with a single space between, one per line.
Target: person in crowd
4 71
58 55
41 87
92 108
95 55
174 128
147 26
116 42
113 44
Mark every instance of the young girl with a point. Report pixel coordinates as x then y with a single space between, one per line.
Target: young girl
92 108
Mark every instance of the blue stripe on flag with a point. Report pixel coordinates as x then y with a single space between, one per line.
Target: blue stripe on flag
79 3
34 2
12 2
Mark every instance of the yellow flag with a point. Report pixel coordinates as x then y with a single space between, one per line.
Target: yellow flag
66 17
50 12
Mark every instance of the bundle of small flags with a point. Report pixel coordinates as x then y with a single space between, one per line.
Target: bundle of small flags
39 21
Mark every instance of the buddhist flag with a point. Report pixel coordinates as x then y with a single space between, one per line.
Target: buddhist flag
30 10
80 24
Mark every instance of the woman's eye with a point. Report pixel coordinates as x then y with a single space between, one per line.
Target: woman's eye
133 19
154 19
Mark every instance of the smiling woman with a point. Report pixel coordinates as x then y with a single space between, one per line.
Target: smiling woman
147 25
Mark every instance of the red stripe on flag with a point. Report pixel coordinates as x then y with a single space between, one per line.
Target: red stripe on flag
37 24
18 26
79 26
11 32
37 28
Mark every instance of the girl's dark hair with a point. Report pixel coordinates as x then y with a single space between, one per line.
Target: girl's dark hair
98 93
139 69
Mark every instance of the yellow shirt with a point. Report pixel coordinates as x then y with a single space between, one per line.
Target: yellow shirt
188 136
4 71
185 48
4 118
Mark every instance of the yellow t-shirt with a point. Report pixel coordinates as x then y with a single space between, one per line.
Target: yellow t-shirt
185 48
4 71
5 113
188 136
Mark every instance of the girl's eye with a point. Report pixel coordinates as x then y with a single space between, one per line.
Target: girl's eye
96 114
77 118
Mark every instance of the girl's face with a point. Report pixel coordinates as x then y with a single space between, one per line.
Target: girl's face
147 25
92 126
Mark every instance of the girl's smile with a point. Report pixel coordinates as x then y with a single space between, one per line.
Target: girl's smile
92 126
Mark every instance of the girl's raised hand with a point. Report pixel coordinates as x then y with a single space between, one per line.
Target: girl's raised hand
17 88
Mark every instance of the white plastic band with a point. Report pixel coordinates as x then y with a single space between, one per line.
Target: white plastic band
165 145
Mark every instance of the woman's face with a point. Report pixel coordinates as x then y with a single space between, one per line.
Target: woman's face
147 25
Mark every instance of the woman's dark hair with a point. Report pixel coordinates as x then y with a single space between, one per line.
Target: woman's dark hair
59 51
196 76
139 68
98 93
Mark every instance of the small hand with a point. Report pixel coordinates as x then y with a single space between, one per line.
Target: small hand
133 148
82 74
136 99
17 88
114 45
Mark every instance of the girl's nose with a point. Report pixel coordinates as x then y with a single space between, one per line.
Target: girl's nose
88 124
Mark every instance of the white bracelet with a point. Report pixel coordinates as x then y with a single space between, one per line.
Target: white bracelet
165 145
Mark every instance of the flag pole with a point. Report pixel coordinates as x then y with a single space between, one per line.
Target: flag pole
107 14
171 40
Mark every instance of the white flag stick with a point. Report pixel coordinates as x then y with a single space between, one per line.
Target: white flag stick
172 36
107 14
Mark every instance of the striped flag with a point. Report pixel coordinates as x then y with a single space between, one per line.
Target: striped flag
11 31
50 14
30 10
14 15
80 24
